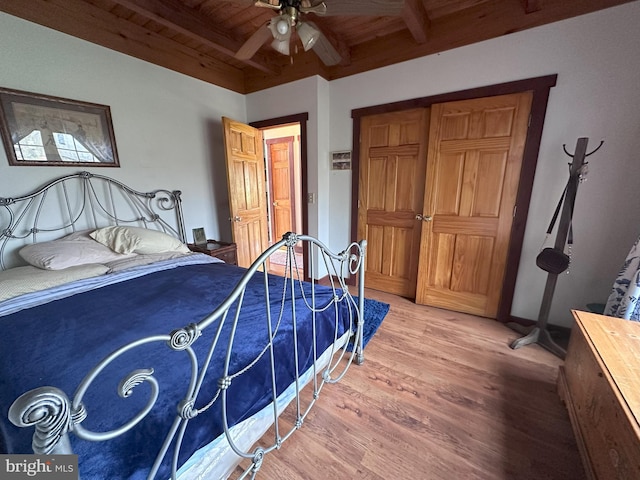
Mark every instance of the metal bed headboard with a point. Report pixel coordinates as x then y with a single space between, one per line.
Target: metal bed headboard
82 201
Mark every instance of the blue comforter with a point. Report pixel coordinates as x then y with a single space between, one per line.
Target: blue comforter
57 343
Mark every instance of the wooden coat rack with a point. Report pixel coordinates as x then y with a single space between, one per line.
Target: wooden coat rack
539 333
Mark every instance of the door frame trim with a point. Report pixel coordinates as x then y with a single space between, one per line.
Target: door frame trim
301 119
540 87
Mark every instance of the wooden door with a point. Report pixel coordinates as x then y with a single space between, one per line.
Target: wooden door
247 195
391 193
281 169
473 168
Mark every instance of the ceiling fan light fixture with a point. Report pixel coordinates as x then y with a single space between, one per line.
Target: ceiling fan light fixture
281 46
308 35
280 28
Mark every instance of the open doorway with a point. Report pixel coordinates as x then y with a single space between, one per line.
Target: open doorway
285 153
284 191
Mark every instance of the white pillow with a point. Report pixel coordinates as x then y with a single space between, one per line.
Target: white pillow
21 280
138 240
143 259
74 249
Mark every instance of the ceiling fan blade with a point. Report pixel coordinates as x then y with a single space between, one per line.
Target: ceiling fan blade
320 8
254 42
364 7
273 4
325 50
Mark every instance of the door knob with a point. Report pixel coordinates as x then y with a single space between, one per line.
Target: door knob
427 218
419 217
275 204
237 218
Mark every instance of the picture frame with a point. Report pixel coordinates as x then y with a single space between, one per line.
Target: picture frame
341 160
199 237
44 130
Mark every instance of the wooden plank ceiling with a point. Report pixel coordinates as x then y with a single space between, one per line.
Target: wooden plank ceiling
200 37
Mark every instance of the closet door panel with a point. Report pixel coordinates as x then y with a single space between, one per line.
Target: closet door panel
449 177
475 150
390 197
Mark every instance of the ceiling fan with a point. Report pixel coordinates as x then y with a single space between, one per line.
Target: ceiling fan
281 27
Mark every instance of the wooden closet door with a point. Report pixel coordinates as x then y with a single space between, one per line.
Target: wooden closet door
473 166
391 192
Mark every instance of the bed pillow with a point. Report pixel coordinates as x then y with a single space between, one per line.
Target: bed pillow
75 249
21 280
142 259
138 240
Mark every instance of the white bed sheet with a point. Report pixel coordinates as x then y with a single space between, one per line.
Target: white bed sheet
41 297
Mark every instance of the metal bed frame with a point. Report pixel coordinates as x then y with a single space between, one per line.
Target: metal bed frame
55 416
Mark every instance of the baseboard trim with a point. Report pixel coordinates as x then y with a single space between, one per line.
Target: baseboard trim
526 322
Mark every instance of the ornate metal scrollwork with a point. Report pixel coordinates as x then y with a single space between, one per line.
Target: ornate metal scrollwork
290 239
49 410
358 252
258 458
166 200
184 337
186 410
135 378
78 414
224 383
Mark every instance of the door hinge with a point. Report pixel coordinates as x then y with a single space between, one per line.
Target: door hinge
515 210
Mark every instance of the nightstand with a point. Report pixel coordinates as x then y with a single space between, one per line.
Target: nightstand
226 252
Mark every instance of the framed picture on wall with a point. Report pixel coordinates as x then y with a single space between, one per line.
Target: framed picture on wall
43 130
341 160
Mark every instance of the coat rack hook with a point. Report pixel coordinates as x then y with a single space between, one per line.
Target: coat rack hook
597 148
564 147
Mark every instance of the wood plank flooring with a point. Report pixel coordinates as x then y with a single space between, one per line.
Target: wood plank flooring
440 396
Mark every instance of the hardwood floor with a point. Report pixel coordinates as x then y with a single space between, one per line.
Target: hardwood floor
440 396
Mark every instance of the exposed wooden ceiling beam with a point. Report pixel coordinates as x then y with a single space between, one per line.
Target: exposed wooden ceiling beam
416 19
88 22
357 7
486 20
531 6
189 22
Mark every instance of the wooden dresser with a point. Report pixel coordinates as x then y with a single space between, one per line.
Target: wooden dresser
600 385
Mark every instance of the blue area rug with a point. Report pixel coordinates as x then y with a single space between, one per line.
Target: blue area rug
374 313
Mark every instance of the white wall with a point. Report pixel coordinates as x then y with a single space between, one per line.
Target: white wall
597 59
167 125
311 96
